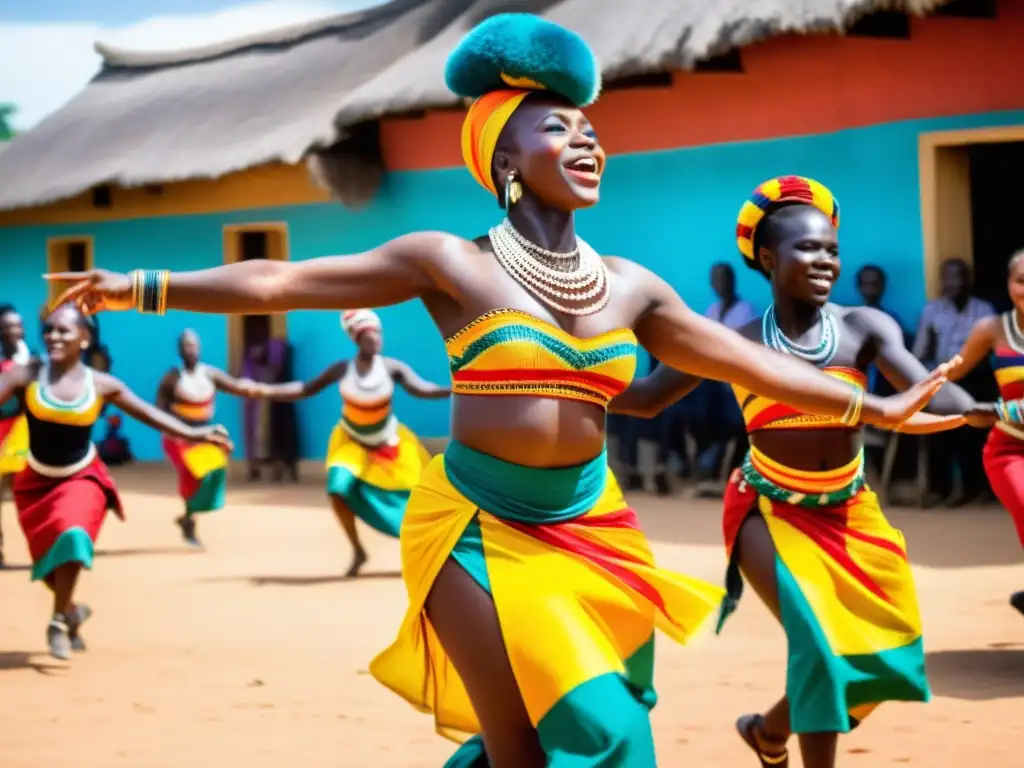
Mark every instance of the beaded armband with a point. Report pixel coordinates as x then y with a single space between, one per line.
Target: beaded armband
1010 411
149 290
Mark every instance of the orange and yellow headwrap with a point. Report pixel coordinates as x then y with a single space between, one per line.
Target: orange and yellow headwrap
481 129
784 189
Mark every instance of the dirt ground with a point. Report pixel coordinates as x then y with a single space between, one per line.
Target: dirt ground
254 653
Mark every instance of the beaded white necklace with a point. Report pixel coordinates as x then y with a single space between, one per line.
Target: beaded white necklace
586 285
821 354
1014 335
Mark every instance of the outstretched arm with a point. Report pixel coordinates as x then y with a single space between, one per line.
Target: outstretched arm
413 384
116 392
299 390
228 383
400 270
901 368
649 396
680 337
922 423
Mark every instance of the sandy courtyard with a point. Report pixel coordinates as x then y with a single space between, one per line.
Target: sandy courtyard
255 653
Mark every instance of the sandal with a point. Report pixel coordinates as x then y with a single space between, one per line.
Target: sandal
747 727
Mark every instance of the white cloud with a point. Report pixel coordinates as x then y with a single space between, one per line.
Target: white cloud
47 64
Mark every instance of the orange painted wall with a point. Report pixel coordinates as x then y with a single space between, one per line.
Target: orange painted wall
790 86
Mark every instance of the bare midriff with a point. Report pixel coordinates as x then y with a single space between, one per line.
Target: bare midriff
529 431
812 450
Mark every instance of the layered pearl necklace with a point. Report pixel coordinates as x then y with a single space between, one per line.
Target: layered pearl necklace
551 276
821 354
1014 335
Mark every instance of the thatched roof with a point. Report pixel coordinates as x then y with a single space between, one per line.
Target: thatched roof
151 118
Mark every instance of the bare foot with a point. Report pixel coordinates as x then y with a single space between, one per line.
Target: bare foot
358 561
188 530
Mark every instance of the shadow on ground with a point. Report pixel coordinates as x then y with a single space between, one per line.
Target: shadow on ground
12 660
306 581
979 674
147 551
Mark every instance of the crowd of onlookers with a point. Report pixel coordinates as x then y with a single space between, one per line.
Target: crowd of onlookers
702 436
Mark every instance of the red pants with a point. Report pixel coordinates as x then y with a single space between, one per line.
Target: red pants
1004 465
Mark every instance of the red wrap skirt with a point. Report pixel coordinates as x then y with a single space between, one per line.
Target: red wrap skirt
62 516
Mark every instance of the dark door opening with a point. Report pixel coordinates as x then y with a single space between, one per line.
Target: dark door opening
255 328
994 170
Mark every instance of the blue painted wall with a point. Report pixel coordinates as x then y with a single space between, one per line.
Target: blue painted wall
672 211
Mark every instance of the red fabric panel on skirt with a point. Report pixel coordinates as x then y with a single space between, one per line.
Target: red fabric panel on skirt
49 506
175 448
1004 464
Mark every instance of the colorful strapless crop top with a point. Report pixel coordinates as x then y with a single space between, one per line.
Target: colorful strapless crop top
60 432
194 395
366 412
509 352
763 413
1008 366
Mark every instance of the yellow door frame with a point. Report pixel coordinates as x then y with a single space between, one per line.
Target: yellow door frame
58 259
277 250
945 177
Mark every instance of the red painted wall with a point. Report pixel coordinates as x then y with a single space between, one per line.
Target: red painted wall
790 86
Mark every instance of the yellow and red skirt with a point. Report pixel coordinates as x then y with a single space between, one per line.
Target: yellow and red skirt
846 592
375 481
577 595
202 473
13 444
62 516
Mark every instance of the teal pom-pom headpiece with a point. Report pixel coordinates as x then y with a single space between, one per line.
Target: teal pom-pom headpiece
511 50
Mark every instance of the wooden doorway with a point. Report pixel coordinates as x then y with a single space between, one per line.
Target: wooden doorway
244 242
67 254
948 216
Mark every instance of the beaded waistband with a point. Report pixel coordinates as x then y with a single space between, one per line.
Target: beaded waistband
801 487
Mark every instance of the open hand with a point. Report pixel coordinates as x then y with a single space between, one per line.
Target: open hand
897 409
215 435
95 291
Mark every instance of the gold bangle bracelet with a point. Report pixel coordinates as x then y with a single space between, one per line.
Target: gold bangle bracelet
165 282
855 418
137 289
850 406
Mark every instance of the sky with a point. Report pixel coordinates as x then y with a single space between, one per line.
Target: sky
47 45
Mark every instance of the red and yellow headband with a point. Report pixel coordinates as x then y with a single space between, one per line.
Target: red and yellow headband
486 118
783 189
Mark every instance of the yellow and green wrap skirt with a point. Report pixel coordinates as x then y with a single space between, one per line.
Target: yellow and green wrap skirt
577 594
846 592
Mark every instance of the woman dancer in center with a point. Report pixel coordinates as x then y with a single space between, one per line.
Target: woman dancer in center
373 461
533 593
64 493
1002 337
13 429
188 392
